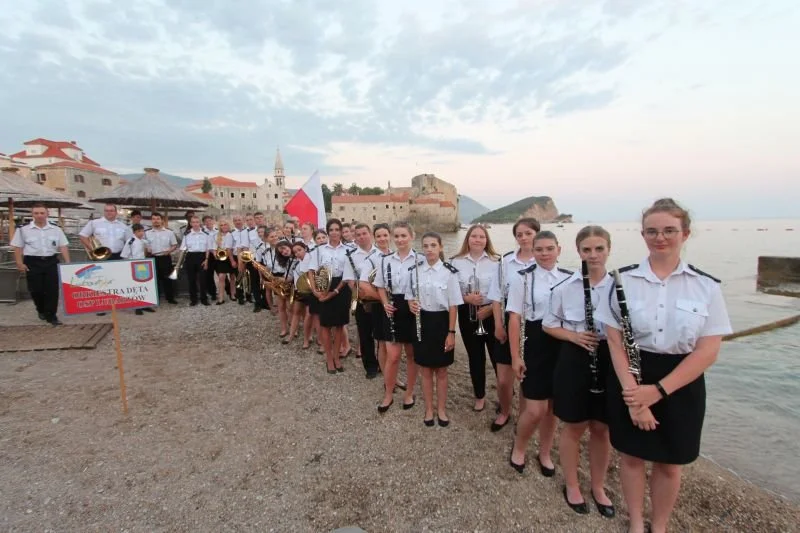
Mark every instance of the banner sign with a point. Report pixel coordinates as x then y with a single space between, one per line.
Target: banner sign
94 287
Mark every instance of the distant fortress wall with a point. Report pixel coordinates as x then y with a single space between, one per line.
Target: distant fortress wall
779 275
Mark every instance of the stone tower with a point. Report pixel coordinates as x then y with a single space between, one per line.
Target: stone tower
280 177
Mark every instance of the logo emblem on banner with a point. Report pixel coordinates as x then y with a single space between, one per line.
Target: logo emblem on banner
142 271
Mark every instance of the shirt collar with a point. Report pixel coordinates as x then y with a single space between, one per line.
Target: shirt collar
645 271
578 276
473 261
436 267
516 258
198 231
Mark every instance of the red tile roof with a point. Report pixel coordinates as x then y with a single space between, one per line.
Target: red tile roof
203 195
56 144
54 149
426 201
369 198
81 166
446 204
222 181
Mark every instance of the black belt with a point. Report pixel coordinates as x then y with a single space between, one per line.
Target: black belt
39 257
196 252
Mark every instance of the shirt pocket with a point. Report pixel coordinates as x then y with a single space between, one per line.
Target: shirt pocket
641 321
574 315
690 317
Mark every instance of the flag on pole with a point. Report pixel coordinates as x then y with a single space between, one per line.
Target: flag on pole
308 204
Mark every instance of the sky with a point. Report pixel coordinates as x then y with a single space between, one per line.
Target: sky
604 105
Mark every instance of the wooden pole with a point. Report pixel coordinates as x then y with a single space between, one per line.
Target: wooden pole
122 391
60 219
10 218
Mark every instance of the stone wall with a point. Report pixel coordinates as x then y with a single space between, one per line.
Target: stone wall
779 275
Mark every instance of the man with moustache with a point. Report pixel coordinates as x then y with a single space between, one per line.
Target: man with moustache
162 243
241 241
356 262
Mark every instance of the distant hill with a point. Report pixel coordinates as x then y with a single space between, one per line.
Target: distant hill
178 181
542 208
469 209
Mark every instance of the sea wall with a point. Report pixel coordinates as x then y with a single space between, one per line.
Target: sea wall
779 275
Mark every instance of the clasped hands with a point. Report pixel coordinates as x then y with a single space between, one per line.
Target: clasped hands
639 399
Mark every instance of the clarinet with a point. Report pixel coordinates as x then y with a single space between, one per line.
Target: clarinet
595 387
628 341
503 295
391 294
418 318
522 337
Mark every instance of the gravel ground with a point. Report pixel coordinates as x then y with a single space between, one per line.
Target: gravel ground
229 430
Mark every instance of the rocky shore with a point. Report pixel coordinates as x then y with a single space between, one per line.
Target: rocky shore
230 430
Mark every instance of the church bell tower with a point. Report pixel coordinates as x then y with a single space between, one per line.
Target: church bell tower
280 177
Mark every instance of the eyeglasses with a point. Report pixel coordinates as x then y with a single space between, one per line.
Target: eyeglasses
668 233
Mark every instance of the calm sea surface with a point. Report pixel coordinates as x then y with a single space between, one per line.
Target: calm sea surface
753 416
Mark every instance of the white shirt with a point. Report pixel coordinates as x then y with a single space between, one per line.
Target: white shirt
239 238
438 286
484 271
39 242
537 299
358 256
252 234
197 241
134 248
669 316
372 262
333 257
510 264
259 250
568 304
112 235
399 271
161 240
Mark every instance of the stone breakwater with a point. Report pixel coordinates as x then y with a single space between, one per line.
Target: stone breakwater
228 429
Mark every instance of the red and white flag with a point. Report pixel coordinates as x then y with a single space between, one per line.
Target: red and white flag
308 204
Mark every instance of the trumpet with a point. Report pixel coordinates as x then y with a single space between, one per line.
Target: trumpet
181 257
474 285
221 253
98 252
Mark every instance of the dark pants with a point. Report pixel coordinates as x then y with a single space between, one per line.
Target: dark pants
196 276
476 346
239 291
115 256
166 287
255 286
366 340
43 283
211 278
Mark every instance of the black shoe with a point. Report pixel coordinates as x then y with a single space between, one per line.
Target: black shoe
241 302
372 375
205 302
139 312
407 406
149 310
383 408
256 309
101 314
428 423
173 301
606 511
444 423
495 427
42 316
519 468
340 369
250 299
580 508
546 472
54 321
192 304
220 303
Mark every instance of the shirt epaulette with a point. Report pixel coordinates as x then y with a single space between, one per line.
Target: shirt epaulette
628 268
450 267
387 255
565 271
528 270
559 283
508 253
695 269
52 223
131 241
204 231
350 251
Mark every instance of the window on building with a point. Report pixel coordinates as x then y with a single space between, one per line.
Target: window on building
374 217
233 195
255 195
222 206
60 189
78 178
81 194
373 208
387 206
276 196
242 194
106 181
341 208
41 178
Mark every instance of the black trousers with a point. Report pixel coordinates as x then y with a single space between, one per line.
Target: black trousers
477 346
115 256
366 341
211 278
43 283
196 276
166 287
239 291
255 286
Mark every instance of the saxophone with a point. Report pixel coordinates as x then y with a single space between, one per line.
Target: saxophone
628 341
596 387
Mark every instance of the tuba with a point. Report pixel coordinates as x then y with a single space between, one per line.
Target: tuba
181 257
97 252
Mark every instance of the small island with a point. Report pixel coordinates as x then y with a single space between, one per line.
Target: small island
542 208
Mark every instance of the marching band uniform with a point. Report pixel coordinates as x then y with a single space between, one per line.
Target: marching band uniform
160 241
540 350
112 235
235 241
256 294
211 271
439 290
312 301
404 327
197 244
353 270
510 264
39 248
336 311
226 241
484 270
376 314
572 379
136 248
668 318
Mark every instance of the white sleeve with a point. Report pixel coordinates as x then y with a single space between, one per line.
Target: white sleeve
126 250
313 264
408 288
88 229
18 241
515 289
718 322
380 283
604 313
551 319
454 296
495 293
184 246
349 274
62 238
173 240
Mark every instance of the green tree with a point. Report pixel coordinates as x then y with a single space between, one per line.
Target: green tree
326 197
372 190
354 189
207 186
338 189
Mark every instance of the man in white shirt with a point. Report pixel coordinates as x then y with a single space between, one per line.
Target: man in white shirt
162 243
111 232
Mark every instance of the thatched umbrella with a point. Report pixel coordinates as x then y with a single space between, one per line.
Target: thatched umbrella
152 191
21 192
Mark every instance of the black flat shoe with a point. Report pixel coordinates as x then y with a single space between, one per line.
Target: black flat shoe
407 406
332 371
443 423
519 468
220 303
428 423
580 508
546 472
340 369
383 408
495 427
606 511
42 316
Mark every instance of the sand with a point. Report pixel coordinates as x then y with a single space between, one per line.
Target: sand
229 430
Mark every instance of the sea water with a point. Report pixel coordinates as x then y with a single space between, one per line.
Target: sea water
752 424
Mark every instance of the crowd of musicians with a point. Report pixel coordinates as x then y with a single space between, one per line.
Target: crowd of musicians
620 354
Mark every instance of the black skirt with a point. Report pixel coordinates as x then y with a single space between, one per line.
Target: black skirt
501 353
676 439
541 351
403 321
313 304
223 267
573 401
336 311
430 351
378 317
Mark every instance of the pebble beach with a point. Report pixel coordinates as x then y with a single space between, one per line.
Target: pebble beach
229 430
